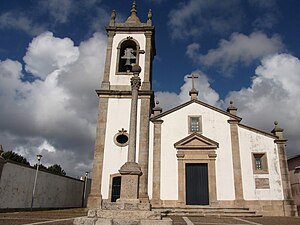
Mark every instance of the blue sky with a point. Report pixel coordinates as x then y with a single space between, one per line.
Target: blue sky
52 55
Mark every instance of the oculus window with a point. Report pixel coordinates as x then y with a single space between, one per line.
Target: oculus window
121 138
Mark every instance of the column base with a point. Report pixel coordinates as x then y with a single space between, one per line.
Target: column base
94 201
130 175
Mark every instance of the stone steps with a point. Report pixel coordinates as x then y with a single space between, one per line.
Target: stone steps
206 211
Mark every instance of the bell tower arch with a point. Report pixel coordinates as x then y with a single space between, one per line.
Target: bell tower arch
128 43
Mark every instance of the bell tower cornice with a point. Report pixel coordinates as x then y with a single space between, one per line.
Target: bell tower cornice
132 23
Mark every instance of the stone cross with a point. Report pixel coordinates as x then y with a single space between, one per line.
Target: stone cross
138 52
193 77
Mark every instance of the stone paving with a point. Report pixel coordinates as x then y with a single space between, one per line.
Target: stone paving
65 217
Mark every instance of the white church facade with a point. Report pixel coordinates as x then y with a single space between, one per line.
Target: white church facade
192 156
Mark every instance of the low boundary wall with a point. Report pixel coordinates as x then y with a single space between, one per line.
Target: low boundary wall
52 191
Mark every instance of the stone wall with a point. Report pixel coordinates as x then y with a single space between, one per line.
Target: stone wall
294 171
52 191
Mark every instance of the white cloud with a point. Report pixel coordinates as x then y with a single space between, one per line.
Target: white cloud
267 11
59 10
197 17
61 108
46 54
239 48
17 21
205 92
273 95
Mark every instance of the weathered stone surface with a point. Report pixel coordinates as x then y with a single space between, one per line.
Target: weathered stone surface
128 214
262 183
166 221
104 222
92 213
125 206
84 221
126 222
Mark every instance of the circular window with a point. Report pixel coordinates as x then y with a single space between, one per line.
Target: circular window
121 138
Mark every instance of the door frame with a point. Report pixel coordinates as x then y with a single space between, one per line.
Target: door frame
197 156
112 176
202 168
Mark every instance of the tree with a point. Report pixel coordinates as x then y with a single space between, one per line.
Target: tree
41 167
56 169
15 157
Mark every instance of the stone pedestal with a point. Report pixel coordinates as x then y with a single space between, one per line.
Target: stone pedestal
120 213
130 173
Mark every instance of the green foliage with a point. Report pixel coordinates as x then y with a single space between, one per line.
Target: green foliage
56 169
41 167
15 157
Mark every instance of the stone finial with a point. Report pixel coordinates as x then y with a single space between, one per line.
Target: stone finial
157 109
277 131
113 18
193 92
133 18
149 21
231 108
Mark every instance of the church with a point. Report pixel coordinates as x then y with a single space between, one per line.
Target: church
194 156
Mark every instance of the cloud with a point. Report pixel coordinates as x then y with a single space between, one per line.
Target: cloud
54 115
268 13
41 59
18 21
196 17
59 10
202 84
273 96
240 48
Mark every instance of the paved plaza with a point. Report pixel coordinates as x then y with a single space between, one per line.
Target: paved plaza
66 217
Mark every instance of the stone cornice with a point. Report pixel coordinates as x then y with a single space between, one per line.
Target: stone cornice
143 27
280 141
157 121
122 93
200 103
257 131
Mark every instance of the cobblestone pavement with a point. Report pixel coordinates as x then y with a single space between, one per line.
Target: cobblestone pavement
65 217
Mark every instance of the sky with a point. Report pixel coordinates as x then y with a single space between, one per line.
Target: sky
52 56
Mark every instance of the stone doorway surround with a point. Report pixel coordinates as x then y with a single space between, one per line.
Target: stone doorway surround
196 148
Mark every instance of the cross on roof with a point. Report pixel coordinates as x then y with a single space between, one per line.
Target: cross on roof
193 76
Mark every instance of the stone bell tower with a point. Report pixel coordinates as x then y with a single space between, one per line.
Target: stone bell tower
122 136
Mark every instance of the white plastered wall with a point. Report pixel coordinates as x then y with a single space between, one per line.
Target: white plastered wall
118 117
251 142
175 128
124 79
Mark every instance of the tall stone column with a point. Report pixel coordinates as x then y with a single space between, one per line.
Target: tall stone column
105 82
156 157
148 61
288 203
131 171
144 147
94 199
236 157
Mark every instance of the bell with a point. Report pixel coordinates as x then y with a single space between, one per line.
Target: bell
128 56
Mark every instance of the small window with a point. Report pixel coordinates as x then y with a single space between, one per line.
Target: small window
121 138
260 163
195 124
